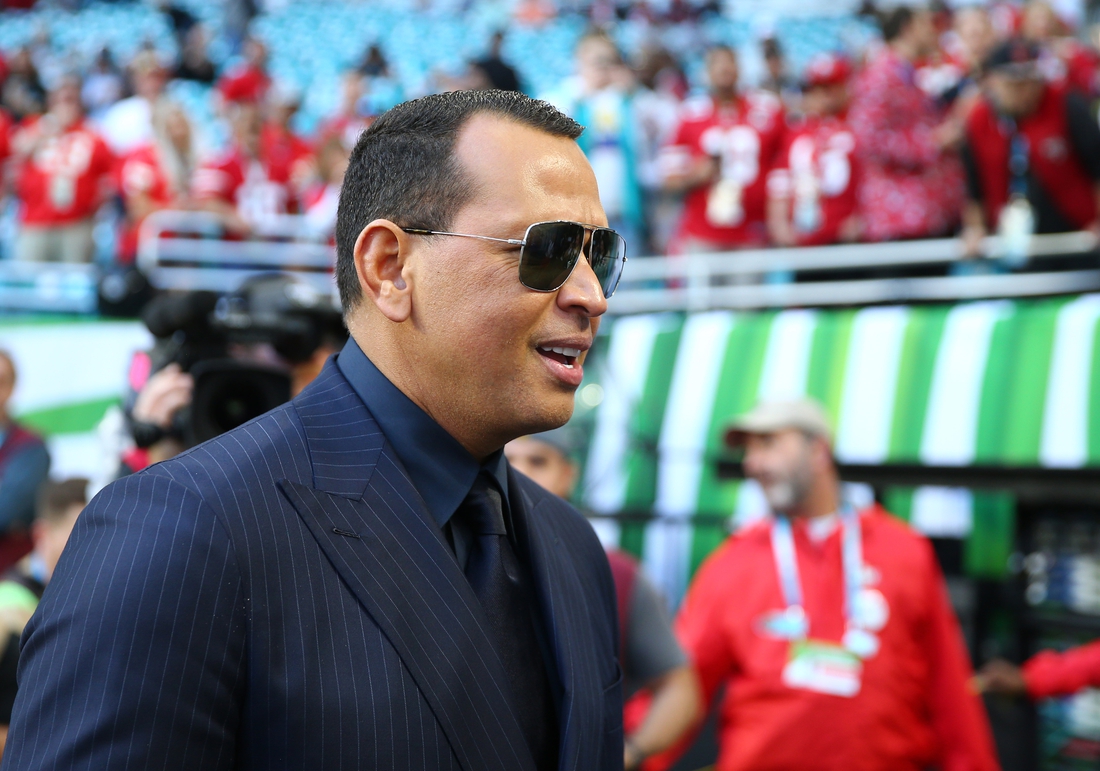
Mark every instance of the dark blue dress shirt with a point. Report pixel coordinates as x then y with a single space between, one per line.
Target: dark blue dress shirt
441 469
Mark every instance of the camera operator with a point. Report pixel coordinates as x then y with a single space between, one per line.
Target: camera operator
221 361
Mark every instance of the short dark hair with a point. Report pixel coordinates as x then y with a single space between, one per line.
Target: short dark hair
55 499
895 21
403 167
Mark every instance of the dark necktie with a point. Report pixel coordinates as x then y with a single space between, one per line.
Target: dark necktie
500 583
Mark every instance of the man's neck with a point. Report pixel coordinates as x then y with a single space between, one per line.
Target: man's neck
822 500
724 97
905 50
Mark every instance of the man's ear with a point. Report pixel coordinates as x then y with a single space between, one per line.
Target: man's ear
381 253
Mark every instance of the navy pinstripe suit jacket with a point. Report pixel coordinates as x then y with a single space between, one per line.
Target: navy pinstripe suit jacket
279 598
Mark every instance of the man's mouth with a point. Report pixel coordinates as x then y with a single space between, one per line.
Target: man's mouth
566 356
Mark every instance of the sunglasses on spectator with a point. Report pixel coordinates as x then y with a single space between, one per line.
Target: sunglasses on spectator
549 252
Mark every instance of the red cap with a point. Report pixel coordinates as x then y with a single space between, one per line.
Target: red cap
827 70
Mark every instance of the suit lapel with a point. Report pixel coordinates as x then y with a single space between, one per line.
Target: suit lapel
564 610
373 527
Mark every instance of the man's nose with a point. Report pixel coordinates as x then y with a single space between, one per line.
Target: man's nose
581 292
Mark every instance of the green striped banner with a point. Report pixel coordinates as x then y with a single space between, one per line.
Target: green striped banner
990 382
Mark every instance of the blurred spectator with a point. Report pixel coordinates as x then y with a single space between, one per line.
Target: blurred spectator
812 189
776 79
239 185
374 64
975 39
21 587
24 464
1032 153
351 118
497 72
128 125
64 176
831 627
321 200
719 156
660 88
1045 675
913 182
156 176
652 660
1064 58
23 94
598 97
382 87
103 85
248 81
194 63
287 156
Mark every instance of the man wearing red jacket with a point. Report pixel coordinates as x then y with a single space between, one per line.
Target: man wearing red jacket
830 627
1031 147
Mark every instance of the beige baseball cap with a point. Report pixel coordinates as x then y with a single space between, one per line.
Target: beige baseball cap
771 416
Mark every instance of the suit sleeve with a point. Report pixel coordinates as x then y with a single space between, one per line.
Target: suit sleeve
134 658
958 716
1049 674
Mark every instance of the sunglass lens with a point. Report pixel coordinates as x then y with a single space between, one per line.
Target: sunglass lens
549 255
607 253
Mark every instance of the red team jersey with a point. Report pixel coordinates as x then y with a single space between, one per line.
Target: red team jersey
288 159
63 181
744 137
816 170
142 173
247 183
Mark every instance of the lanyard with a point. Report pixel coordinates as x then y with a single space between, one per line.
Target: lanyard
786 565
1018 162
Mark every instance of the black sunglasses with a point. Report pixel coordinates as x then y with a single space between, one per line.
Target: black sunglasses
549 252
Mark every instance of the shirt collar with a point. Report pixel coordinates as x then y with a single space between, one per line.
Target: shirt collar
440 468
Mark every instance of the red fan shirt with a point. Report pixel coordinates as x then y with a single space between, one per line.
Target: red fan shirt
1053 160
246 183
142 173
817 171
64 180
1050 674
744 137
288 159
913 708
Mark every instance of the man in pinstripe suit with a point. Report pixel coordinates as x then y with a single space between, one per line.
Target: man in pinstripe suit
317 589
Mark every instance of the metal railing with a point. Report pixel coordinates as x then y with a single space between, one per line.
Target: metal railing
738 280
188 250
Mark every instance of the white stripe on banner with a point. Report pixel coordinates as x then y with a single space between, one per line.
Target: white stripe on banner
870 385
1064 442
942 512
787 357
951 423
623 380
682 446
63 364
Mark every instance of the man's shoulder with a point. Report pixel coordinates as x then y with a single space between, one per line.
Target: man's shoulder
270 447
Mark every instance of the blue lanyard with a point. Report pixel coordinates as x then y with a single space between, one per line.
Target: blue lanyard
1018 162
786 563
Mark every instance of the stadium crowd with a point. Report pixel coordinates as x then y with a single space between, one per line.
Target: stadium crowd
971 121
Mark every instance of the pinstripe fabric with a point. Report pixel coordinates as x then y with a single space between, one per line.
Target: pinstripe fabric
278 598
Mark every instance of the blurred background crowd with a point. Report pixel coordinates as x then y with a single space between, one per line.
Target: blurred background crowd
837 200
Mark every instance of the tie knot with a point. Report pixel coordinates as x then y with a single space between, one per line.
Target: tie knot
483 509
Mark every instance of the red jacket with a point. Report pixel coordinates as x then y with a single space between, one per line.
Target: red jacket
1052 159
1050 674
913 710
